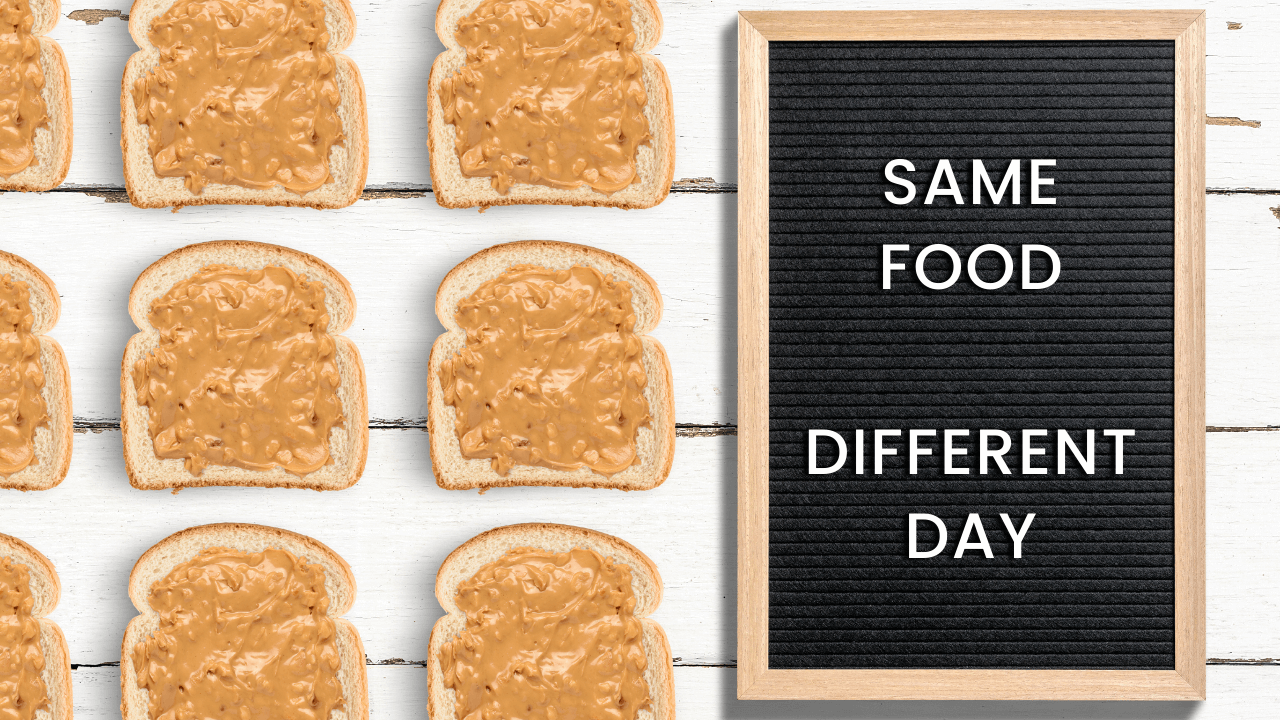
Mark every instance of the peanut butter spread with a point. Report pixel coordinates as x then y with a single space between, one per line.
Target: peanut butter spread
245 94
244 374
241 637
549 636
552 373
22 108
552 94
22 406
22 690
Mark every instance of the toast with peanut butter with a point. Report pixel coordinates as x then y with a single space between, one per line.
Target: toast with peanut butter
546 374
242 622
239 374
35 670
542 618
35 386
243 102
556 102
35 98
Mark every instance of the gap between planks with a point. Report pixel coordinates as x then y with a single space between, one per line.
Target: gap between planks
685 186
688 186
82 425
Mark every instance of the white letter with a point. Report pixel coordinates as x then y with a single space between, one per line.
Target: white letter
813 452
1065 441
1119 435
910 186
1028 451
949 452
914 518
956 266
886 253
913 447
857 449
881 451
1018 534
952 189
973 523
1012 175
973 267
1037 181
985 452
1026 267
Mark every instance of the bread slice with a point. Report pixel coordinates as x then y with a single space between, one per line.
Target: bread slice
53 142
464 562
181 547
348 162
53 443
348 442
45 590
655 444
655 162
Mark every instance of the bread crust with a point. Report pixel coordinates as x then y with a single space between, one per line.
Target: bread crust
348 443
468 558
53 143
54 443
453 190
180 547
139 169
453 472
46 590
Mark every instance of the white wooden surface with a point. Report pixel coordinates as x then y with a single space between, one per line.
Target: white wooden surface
396 526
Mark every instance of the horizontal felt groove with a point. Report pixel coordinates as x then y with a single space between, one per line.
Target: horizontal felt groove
957 659
1079 587
783 66
941 573
787 640
828 154
988 324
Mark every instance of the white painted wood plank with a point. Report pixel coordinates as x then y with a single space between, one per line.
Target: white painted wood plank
395 252
1242 302
396 42
396 526
400 693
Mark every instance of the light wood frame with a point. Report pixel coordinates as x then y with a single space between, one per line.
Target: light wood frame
755 679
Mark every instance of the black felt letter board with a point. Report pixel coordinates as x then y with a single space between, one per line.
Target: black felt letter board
1094 588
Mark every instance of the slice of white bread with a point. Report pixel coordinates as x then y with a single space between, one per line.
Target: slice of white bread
157 562
53 443
655 162
348 162
463 563
655 444
348 442
45 590
53 142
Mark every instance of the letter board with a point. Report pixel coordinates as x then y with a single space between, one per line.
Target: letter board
900 307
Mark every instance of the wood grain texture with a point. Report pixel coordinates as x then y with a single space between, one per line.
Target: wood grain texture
753 356
973 24
1189 358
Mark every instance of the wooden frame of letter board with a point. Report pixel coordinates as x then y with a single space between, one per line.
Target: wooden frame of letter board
755 679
